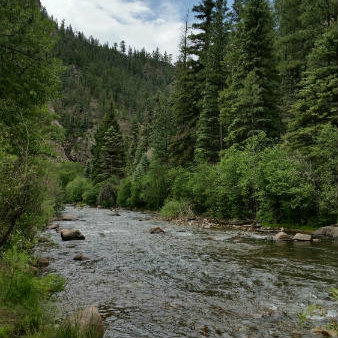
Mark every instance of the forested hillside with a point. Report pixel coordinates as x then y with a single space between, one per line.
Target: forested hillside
96 75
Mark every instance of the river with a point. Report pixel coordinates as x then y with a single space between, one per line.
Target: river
190 282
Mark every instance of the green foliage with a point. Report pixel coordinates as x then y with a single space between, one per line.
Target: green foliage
108 152
124 192
174 209
68 171
24 295
90 196
75 189
107 196
249 100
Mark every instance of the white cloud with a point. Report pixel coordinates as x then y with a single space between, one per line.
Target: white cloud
137 22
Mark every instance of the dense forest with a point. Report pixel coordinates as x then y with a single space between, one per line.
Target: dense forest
243 125
247 129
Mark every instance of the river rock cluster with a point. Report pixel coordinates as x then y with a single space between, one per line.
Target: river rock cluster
328 232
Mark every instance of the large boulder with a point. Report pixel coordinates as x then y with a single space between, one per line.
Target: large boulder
302 237
71 234
282 236
86 323
329 232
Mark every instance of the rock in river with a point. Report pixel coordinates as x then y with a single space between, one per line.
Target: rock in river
329 232
80 257
302 237
86 323
71 234
43 262
157 230
282 236
68 218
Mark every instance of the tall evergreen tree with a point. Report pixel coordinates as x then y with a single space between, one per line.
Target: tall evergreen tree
209 129
185 111
316 103
108 152
162 129
248 103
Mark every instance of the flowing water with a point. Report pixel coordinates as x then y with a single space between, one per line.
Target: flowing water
191 282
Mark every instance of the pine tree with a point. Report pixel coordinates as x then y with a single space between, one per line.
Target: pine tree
248 103
299 24
185 111
209 129
316 103
162 129
108 152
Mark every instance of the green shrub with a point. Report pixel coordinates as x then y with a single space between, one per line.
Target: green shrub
107 195
174 209
23 294
76 189
68 171
154 186
124 193
90 196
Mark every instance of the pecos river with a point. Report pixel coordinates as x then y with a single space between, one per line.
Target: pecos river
191 282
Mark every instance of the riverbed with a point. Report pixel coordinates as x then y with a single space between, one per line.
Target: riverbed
190 282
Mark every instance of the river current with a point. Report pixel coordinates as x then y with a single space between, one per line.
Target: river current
191 282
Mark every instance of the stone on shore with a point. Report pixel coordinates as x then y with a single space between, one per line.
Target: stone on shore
71 234
43 262
43 240
157 230
282 236
87 323
302 237
329 232
53 226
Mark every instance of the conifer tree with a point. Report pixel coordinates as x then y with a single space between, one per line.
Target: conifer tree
208 132
185 111
108 152
248 103
316 104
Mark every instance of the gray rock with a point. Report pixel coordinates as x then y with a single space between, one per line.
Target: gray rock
329 232
71 234
302 237
53 226
157 230
282 236
80 257
68 218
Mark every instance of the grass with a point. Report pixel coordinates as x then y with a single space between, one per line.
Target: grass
175 209
26 308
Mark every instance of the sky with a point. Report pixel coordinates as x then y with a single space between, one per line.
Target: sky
140 23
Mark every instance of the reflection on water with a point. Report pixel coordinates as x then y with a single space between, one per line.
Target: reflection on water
190 282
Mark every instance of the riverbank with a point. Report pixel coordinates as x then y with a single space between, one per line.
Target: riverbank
26 298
